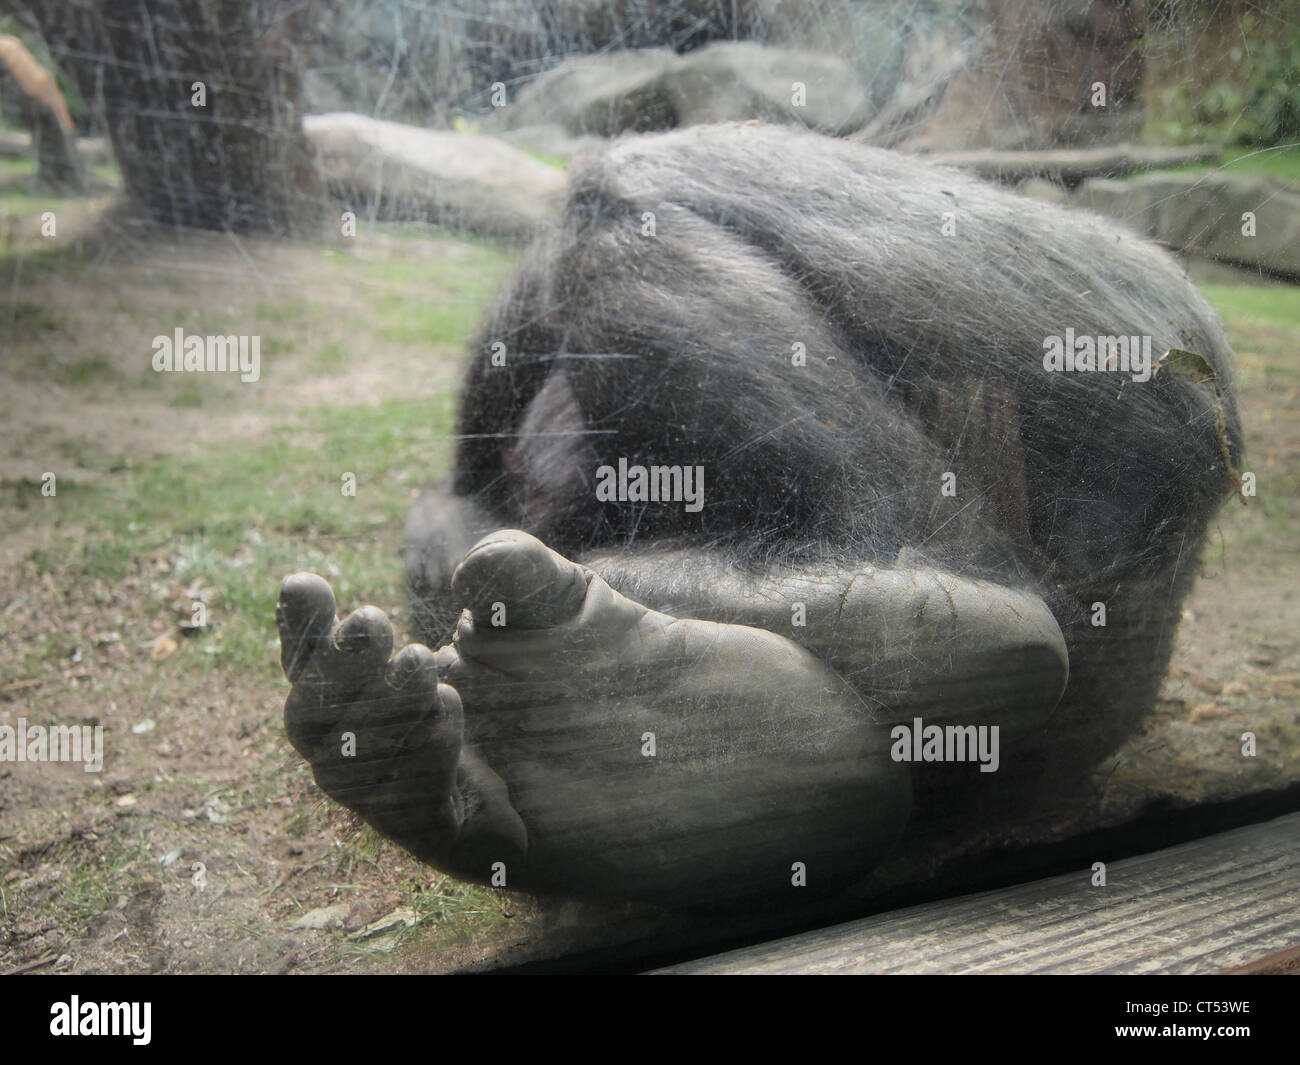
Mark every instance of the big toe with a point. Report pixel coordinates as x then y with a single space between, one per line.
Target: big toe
513 579
304 615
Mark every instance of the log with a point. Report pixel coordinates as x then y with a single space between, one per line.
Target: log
1216 904
1069 166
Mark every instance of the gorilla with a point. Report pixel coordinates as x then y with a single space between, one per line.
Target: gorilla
789 474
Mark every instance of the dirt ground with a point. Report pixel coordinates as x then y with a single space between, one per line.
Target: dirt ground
203 846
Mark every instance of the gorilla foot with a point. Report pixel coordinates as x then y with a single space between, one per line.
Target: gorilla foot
648 756
384 738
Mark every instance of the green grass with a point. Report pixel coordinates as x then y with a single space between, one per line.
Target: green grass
462 270
437 299
277 345
244 517
1263 323
29 319
21 205
1282 162
447 901
448 321
1279 162
332 357
83 373
24 166
291 311
92 882
1271 304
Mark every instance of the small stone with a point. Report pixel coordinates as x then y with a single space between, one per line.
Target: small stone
322 917
398 919
162 647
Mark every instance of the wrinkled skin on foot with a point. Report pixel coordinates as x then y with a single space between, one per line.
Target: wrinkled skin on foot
581 743
384 738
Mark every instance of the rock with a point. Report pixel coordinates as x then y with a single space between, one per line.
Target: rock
642 90
215 810
1069 166
395 921
1042 189
741 80
1202 214
467 182
161 648
322 917
600 95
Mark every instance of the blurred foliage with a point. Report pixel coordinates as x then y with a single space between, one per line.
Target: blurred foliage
1252 98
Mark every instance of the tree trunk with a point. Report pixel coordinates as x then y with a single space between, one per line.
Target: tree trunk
202 103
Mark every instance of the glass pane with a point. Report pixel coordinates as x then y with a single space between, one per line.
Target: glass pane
770 463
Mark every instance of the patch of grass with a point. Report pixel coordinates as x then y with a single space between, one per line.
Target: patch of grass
1282 162
469 907
95 370
92 882
64 262
290 311
29 319
107 559
1263 323
332 356
90 456
189 394
277 345
299 824
431 322
26 493
26 207
46 651
17 165
461 269
263 512
1274 304
438 298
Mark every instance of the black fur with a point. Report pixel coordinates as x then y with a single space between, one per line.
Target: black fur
924 356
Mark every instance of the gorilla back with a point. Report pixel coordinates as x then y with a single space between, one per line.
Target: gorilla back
899 423
662 322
